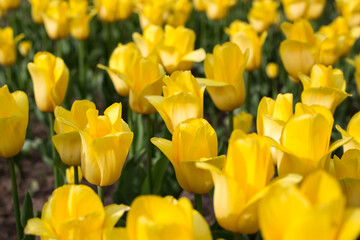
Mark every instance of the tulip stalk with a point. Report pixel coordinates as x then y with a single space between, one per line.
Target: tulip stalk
76 175
82 65
238 236
19 230
231 122
149 149
58 48
100 190
54 157
131 126
248 89
9 77
198 203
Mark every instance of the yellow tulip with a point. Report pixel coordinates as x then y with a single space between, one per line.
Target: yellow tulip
238 187
38 7
154 217
245 36
176 54
193 140
14 117
183 99
325 86
356 64
299 52
350 10
80 18
272 70
147 43
50 78
348 166
337 41
56 19
75 212
25 48
225 67
305 139
263 14
310 9
353 130
179 13
199 5
8 46
105 143
313 210
9 4
218 9
70 174
68 141
243 121
112 10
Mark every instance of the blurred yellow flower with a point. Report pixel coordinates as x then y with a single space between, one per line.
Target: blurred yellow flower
325 86
38 7
14 117
299 52
176 54
154 217
217 9
75 212
263 14
80 18
313 210
9 4
25 47
247 171
193 140
348 166
243 121
179 13
183 99
296 9
245 36
8 46
67 140
353 130
112 10
151 38
70 174
50 78
356 63
350 10
225 68
272 70
56 19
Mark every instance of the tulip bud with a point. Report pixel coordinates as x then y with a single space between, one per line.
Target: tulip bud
272 70
25 48
263 14
243 122
8 46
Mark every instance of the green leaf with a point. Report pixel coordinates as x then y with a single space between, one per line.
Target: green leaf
27 209
158 173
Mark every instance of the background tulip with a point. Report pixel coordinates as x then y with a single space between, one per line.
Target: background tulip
8 46
263 14
243 121
9 4
38 7
56 19
50 78
350 10
353 131
151 38
272 70
25 48
80 19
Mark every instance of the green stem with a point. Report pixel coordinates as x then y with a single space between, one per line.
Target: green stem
274 87
58 48
237 236
100 190
203 31
108 36
198 203
82 66
19 230
131 126
54 156
231 122
149 134
248 89
9 80
76 175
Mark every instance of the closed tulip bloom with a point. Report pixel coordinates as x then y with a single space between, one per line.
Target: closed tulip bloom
183 99
155 217
296 9
56 19
151 38
8 46
70 179
179 13
67 140
38 7
193 140
153 12
245 36
14 117
352 130
50 78
25 48
272 70
263 14
218 9
9 4
75 212
350 10
199 5
247 171
105 144
80 18
112 10
325 86
225 67
313 210
176 54
243 121
302 45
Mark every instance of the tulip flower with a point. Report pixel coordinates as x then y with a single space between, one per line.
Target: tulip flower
247 171
8 46
199 5
227 88
263 14
305 138
75 212
350 10
302 45
14 117
272 70
337 41
25 48
325 86
245 36
56 19
296 9
356 64
38 7
80 18
70 176
183 99
179 13
193 140
68 141
112 10
147 43
348 165
154 217
313 210
9 4
353 131
218 9
50 78
243 121
179 55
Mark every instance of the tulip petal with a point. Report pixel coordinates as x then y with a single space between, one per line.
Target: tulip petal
201 228
351 189
115 234
68 146
113 213
351 226
165 147
195 56
36 226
